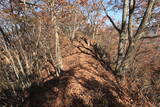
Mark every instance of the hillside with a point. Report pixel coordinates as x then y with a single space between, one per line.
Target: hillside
83 82
87 77
79 53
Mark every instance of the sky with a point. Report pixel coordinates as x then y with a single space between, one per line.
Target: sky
116 16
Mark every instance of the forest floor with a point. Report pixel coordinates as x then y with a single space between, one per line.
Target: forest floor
83 82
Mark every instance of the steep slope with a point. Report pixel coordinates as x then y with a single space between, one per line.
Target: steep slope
83 81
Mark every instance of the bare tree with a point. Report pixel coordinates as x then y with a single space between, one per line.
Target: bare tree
128 38
55 30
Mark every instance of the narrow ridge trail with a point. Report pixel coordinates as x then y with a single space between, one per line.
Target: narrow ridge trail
83 83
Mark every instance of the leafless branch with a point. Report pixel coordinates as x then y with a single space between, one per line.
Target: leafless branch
146 17
150 37
111 20
28 3
130 24
124 15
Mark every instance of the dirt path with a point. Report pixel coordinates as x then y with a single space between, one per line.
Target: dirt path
83 83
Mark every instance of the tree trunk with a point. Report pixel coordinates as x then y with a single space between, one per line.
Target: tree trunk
59 64
58 55
123 38
74 27
123 45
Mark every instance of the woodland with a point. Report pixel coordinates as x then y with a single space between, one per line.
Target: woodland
79 53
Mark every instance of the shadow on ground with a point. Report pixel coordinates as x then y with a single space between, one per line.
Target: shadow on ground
84 82
55 93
